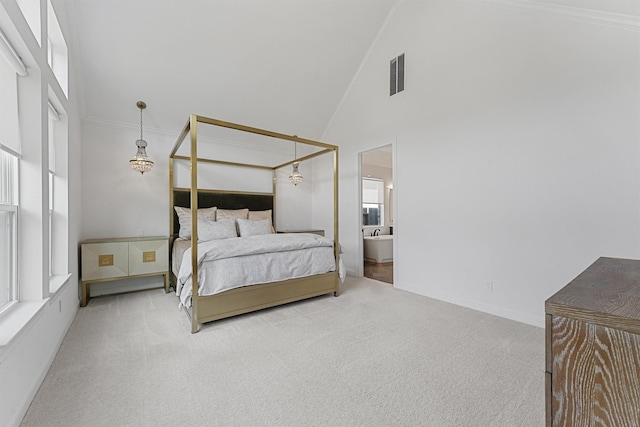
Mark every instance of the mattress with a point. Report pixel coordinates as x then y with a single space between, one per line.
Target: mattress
232 263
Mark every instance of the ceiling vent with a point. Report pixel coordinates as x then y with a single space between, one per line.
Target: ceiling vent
396 75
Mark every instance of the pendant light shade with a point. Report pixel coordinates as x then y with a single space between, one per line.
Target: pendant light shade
141 162
296 176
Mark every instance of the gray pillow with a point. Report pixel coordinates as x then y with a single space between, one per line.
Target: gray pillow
250 227
262 215
215 230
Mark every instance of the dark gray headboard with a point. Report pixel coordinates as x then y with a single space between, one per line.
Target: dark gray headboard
221 200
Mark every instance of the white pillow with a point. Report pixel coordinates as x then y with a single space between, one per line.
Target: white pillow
215 230
250 227
184 218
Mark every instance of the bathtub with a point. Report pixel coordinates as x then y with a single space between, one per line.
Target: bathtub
378 249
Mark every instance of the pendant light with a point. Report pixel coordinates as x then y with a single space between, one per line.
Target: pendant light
141 162
296 176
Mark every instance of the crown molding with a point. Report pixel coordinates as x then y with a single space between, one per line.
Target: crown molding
590 16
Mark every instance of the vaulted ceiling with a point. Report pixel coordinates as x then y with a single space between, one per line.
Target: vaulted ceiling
278 64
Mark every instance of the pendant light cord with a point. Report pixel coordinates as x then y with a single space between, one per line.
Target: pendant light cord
141 123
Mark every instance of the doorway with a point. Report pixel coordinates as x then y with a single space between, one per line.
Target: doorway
377 214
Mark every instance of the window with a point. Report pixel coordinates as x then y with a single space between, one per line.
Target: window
8 229
9 127
50 223
10 149
372 201
57 52
52 167
31 11
58 193
33 218
50 52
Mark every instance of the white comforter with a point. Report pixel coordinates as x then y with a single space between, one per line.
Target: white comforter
232 263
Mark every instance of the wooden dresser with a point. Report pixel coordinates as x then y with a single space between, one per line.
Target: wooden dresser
593 347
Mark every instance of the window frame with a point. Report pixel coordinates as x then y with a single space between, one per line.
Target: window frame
372 204
51 205
12 206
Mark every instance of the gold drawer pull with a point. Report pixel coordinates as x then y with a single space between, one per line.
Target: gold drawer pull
105 260
149 256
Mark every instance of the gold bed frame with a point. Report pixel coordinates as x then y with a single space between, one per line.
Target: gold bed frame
256 297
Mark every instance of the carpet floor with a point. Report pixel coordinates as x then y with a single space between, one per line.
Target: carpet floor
374 356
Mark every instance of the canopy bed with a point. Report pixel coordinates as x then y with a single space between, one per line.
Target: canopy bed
218 275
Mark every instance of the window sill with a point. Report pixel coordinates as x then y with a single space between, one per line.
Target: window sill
20 317
56 283
17 320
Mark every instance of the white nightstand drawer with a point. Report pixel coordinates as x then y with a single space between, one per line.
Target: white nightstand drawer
105 260
150 256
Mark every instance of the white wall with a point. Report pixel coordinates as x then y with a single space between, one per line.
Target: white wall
119 202
322 194
517 150
116 200
25 363
293 202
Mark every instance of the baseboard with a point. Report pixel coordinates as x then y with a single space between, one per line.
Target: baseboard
479 306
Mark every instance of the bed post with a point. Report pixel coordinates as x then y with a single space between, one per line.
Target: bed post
171 230
336 240
171 197
274 198
194 222
172 201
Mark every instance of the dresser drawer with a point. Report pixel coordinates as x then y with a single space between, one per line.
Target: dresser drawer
150 256
105 260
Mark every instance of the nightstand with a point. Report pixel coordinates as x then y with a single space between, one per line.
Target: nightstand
104 260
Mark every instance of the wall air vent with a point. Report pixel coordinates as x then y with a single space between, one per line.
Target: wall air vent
396 75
